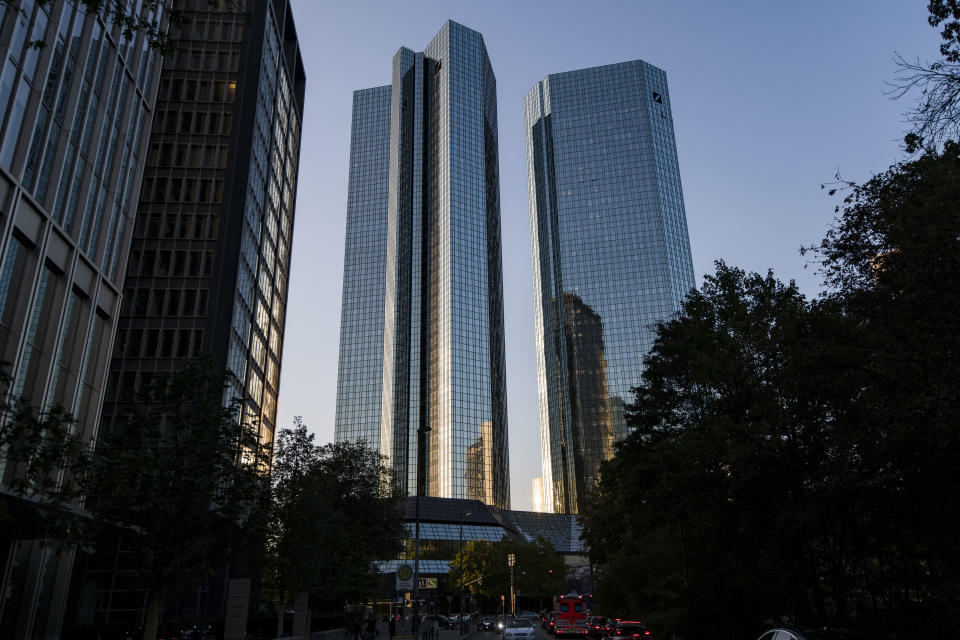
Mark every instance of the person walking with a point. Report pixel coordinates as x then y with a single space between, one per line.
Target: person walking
392 626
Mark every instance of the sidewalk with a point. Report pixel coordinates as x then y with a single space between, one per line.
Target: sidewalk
445 634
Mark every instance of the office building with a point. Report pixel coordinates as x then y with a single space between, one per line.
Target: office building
445 524
74 116
210 260
421 337
611 257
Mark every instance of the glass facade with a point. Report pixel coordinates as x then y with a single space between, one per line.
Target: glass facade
74 118
611 257
364 270
422 328
210 258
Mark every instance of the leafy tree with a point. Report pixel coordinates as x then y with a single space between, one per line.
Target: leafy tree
334 515
178 485
536 573
891 262
44 461
790 459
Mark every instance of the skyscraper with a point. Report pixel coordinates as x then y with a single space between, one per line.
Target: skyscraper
611 257
74 115
421 336
210 259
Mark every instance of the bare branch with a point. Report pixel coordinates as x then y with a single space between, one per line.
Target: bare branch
936 116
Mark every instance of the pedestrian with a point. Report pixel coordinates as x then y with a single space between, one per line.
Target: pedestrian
392 627
371 627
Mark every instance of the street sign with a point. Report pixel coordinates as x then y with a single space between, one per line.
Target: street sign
404 578
428 583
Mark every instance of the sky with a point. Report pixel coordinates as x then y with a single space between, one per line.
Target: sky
770 101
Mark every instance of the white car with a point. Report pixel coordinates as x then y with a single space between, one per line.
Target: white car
519 629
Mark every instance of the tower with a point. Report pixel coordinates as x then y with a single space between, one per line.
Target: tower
611 257
421 342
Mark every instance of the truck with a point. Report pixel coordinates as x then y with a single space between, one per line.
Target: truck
573 609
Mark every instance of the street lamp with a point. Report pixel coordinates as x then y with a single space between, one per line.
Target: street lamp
421 488
462 516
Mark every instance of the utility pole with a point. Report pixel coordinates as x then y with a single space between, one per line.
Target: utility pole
462 516
512 560
421 489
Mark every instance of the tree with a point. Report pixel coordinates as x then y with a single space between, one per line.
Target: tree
44 460
891 261
936 118
537 571
334 515
179 485
789 458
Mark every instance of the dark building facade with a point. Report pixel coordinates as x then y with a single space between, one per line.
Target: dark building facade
421 342
210 259
74 117
611 257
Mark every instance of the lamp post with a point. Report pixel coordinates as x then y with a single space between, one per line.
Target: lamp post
462 516
421 488
511 560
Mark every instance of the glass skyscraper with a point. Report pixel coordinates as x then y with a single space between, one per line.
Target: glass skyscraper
74 117
611 257
210 259
209 265
421 337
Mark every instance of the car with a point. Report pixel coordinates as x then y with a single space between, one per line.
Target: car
519 629
486 623
781 633
598 626
443 622
502 622
629 629
529 615
548 622
565 628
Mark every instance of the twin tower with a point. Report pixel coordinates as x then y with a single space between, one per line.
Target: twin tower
422 368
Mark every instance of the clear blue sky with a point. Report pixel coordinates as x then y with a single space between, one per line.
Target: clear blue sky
770 100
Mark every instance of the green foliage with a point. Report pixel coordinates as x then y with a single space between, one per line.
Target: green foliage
45 460
532 571
179 485
793 459
333 516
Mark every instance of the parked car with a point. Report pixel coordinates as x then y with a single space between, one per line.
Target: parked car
519 629
629 629
486 623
